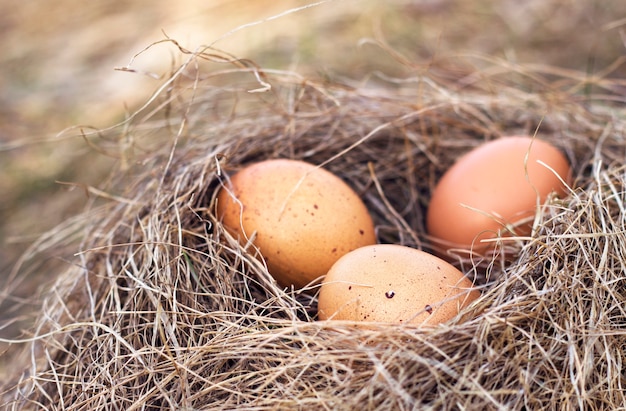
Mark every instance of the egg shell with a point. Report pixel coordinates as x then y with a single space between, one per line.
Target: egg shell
303 217
491 189
394 284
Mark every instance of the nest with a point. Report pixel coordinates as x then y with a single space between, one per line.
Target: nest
160 308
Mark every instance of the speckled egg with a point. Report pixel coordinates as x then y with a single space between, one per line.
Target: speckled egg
300 217
396 284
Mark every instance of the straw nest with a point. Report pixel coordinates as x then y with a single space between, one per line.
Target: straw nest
159 308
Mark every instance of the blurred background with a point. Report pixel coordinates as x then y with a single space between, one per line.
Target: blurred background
58 60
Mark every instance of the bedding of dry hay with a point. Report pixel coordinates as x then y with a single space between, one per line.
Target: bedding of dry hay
160 308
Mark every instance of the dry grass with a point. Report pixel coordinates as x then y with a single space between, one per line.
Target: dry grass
56 74
161 309
157 307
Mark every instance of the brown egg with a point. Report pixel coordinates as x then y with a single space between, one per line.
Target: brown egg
301 218
393 283
493 188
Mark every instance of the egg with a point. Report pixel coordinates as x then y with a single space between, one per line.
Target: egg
493 191
395 284
300 217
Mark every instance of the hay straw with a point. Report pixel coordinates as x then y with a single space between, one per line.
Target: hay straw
161 309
